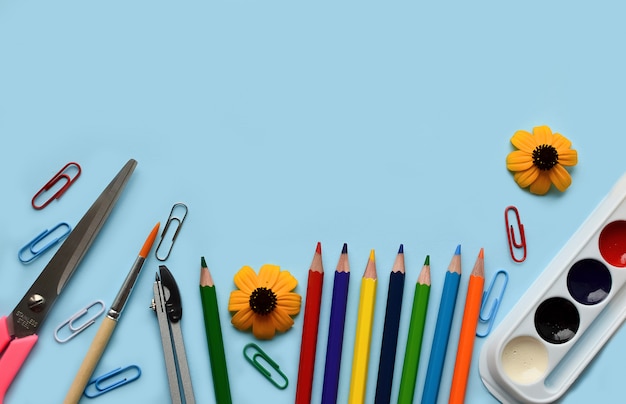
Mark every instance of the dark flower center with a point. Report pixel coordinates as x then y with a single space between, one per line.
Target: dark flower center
545 157
262 301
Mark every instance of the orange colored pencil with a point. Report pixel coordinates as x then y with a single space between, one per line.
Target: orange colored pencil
468 331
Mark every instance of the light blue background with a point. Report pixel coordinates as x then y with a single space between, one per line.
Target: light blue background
283 123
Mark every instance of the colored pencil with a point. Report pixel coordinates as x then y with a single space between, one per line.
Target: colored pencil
387 360
416 333
468 330
309 329
442 330
104 333
363 337
335 329
214 338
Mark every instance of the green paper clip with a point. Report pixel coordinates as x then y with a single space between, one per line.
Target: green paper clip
262 369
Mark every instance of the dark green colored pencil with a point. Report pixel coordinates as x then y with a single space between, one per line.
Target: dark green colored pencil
214 336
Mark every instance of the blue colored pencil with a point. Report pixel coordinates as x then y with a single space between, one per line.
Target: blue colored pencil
335 329
390 331
442 330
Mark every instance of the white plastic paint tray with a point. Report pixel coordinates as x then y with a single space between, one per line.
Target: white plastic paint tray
567 315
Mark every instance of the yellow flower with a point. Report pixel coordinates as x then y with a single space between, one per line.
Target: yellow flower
264 302
540 158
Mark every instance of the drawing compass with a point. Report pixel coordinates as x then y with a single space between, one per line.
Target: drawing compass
169 310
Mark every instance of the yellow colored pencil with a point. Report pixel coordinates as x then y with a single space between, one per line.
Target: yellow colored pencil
363 337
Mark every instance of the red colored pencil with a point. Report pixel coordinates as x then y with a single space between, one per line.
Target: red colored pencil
309 330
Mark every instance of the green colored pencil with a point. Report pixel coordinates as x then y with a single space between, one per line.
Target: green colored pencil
416 332
214 336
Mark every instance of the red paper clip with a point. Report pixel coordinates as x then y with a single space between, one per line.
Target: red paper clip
510 232
61 175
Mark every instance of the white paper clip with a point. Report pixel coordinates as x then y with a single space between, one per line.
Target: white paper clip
74 329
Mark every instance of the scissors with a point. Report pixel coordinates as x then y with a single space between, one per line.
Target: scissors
169 310
18 330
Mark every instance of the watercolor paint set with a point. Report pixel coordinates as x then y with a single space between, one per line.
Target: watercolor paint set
566 316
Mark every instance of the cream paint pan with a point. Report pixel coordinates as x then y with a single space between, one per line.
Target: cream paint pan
567 315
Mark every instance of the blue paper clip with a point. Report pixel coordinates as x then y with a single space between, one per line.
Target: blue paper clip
490 318
269 374
98 382
74 330
31 250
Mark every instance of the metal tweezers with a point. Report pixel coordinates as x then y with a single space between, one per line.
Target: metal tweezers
169 310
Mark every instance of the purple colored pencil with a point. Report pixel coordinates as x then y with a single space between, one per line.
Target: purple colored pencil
335 329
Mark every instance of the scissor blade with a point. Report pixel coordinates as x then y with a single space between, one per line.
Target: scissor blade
32 309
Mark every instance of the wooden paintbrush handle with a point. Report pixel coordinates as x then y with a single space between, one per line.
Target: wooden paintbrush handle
98 345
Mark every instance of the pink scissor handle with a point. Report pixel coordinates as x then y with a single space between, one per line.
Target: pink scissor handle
13 357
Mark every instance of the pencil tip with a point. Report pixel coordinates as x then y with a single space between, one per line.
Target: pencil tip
481 254
203 262
427 260
318 249
458 250
344 250
370 268
401 249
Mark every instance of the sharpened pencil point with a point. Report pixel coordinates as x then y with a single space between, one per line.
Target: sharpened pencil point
316 264
401 249
370 269
479 266
398 265
455 263
343 265
424 276
205 275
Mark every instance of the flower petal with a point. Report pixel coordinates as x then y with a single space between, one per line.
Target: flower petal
290 302
561 143
568 157
268 274
282 320
243 319
519 160
238 300
543 135
560 177
285 283
526 177
246 279
524 141
542 184
263 327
